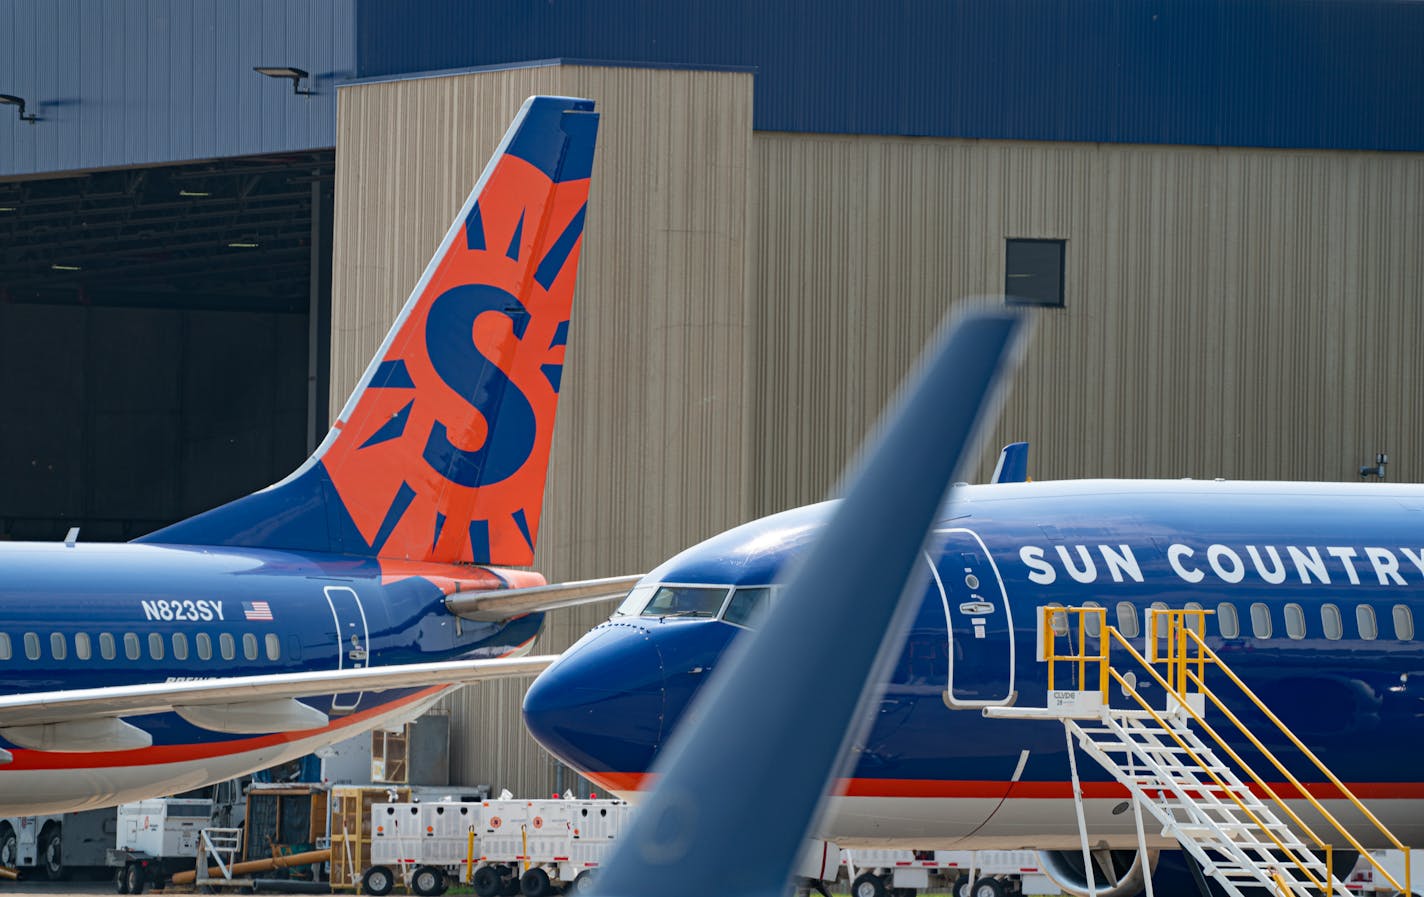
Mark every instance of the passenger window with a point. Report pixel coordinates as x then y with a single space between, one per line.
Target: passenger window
180 646
1127 619
4 646
1059 622
155 645
1332 622
747 605
685 601
82 648
1295 621
107 650
227 646
32 645
249 646
131 646
1161 622
1227 622
274 646
205 646
1403 623
1365 619
1260 620
57 646
294 647
1092 624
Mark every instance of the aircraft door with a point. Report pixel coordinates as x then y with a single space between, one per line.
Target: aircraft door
352 635
976 611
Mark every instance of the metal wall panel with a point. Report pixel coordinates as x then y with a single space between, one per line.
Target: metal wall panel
648 454
1231 313
129 82
1278 73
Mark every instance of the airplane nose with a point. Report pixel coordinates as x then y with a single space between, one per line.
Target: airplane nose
600 707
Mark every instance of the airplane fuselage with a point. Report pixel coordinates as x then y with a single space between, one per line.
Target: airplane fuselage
1314 590
93 616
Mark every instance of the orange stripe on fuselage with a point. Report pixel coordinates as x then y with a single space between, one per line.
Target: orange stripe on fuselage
625 782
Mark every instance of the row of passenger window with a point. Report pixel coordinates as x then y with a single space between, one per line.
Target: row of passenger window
83 646
1228 623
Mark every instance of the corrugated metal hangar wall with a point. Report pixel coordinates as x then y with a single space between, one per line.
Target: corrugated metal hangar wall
748 300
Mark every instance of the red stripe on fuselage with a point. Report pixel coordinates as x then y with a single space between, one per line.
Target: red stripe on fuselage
177 753
621 782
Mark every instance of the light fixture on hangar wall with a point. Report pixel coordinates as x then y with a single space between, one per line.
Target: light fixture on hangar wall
286 71
7 99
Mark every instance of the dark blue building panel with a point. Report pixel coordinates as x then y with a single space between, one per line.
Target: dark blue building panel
126 82
1343 74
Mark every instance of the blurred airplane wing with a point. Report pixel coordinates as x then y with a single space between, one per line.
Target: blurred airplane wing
742 781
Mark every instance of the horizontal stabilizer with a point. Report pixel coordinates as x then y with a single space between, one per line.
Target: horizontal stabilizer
66 710
504 604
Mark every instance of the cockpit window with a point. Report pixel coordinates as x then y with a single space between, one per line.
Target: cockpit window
636 601
747 606
685 601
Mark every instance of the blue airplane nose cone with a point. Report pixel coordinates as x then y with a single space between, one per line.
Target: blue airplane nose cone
600 707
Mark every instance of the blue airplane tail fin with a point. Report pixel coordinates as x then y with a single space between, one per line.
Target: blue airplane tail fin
1013 464
441 452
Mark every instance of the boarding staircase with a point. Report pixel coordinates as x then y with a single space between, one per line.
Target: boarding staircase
1180 769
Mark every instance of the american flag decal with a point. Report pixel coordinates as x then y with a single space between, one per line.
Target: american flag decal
256 610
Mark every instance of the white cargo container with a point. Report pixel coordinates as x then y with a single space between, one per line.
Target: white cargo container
156 838
163 828
995 873
553 844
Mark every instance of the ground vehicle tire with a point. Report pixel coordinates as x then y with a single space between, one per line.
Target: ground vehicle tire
535 883
582 882
988 887
427 881
487 882
377 881
509 883
868 884
9 847
51 858
121 882
133 878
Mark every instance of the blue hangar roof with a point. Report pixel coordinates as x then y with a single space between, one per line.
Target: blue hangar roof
120 83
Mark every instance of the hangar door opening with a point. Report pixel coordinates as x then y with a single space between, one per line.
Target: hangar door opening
162 339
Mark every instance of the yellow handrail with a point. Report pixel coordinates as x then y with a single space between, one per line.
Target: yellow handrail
1082 657
1185 659
1310 755
1206 767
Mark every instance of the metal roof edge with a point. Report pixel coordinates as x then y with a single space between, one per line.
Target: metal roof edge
546 63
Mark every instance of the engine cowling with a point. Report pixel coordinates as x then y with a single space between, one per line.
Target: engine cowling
1116 873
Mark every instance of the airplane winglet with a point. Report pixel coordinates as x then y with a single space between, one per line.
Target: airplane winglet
776 719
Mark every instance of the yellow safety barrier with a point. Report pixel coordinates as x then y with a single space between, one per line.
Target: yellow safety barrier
1177 643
